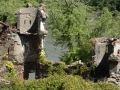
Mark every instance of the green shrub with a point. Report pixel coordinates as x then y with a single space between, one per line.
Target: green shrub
60 69
59 82
41 58
9 65
11 74
49 67
84 70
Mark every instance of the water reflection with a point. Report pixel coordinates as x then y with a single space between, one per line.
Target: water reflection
53 52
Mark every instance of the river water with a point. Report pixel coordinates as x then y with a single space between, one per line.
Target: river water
52 52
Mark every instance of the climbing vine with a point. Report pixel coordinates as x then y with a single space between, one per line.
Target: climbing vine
41 57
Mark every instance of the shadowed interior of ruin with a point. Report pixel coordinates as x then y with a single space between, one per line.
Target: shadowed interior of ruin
106 63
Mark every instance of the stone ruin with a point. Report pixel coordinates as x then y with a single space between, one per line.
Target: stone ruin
23 41
106 57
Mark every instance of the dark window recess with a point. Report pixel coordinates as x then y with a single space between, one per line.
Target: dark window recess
118 51
1 44
30 21
24 21
9 38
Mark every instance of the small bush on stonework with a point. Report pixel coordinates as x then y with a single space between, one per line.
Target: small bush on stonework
9 65
60 69
41 58
50 67
11 74
84 70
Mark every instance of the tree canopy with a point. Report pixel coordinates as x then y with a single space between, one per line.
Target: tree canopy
74 23
8 8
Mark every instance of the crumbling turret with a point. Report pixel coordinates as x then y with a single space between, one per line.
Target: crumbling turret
23 42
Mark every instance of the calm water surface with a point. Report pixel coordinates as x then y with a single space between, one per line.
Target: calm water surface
52 52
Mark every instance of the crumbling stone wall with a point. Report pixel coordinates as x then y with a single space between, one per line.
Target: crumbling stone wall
106 57
99 51
23 41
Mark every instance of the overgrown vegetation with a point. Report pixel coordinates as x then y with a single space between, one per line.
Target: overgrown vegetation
58 82
8 63
41 57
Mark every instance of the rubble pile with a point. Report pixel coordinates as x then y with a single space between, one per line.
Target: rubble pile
114 78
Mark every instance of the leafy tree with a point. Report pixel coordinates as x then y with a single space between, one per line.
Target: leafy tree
68 22
100 4
8 8
106 25
73 24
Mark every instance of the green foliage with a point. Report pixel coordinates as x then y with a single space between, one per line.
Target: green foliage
57 82
84 70
92 43
59 69
9 65
49 65
70 27
106 25
52 69
83 53
100 4
10 75
10 72
9 7
41 58
74 23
